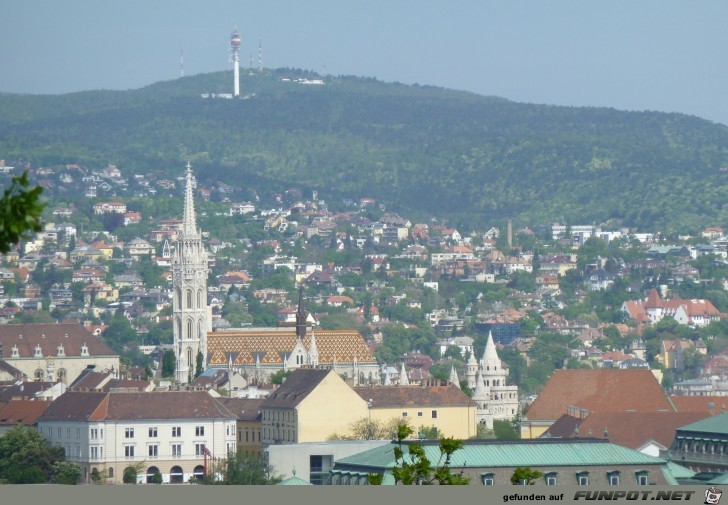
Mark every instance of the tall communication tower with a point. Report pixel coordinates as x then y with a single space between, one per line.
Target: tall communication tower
260 56
235 53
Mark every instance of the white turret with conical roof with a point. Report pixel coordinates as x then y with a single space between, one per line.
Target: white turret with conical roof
313 357
403 379
502 402
472 370
192 316
454 377
490 362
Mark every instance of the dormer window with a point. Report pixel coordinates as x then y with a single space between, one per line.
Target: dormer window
61 351
14 351
38 352
84 349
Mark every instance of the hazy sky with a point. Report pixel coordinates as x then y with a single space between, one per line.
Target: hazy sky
628 54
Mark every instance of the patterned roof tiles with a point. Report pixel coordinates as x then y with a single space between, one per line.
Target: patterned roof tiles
272 345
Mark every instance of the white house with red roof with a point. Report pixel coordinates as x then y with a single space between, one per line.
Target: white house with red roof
695 313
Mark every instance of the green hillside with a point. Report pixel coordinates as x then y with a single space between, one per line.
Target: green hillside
420 150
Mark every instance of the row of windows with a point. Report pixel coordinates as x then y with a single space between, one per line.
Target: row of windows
287 435
420 414
582 478
129 433
176 450
278 415
249 435
153 432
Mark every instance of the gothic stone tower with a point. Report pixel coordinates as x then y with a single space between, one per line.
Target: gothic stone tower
191 313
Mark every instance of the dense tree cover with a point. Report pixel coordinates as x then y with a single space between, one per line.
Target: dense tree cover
421 150
26 457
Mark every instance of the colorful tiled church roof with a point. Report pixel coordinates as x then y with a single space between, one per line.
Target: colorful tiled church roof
271 346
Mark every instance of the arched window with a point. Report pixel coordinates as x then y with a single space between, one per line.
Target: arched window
151 472
62 375
39 374
176 475
199 299
190 361
199 472
189 329
189 298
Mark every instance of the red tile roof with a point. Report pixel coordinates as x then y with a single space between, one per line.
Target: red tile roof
22 412
603 390
635 429
49 336
705 404
95 406
409 396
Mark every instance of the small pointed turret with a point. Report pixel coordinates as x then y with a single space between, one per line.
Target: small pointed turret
490 361
403 379
312 350
454 377
482 392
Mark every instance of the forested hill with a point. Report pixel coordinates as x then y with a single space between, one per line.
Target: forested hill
420 150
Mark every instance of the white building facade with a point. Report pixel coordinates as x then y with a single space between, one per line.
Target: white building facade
161 432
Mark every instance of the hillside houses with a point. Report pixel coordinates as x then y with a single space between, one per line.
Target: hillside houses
409 287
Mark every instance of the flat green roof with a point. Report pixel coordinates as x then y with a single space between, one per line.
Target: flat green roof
509 454
717 424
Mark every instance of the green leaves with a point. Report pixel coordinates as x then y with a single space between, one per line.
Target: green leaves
20 212
417 469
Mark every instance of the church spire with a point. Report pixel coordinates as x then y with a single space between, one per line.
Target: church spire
301 316
190 222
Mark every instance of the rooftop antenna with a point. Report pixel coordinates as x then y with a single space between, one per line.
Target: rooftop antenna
181 63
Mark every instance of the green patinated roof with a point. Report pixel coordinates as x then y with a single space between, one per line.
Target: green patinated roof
713 424
723 479
527 453
294 481
672 472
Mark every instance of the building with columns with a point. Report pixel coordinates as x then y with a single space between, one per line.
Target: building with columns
487 379
192 316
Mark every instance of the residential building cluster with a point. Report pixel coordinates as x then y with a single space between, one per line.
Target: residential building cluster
236 385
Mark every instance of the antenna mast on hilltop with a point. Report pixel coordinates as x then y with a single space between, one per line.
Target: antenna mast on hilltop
235 53
181 63
260 56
